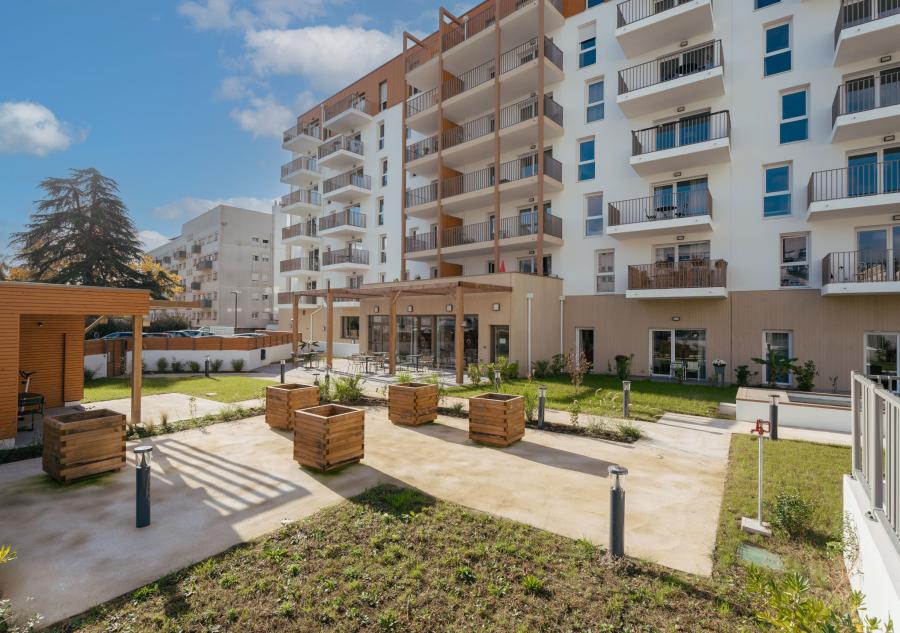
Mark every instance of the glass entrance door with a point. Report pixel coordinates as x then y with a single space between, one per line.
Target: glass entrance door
661 353
674 351
585 342
499 342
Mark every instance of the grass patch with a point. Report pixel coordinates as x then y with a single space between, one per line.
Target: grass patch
220 388
650 399
397 560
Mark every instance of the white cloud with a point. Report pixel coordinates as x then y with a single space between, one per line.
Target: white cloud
330 57
359 19
152 239
233 88
264 117
224 14
30 128
190 207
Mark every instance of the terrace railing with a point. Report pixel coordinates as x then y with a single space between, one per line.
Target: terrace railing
680 133
684 63
856 12
854 181
661 206
699 273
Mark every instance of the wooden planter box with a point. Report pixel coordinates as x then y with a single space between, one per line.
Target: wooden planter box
82 444
283 400
496 418
328 437
412 403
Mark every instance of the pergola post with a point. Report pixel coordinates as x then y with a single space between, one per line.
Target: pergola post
392 333
458 339
295 327
137 342
329 329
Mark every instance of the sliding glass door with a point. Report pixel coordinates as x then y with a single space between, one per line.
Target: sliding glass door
674 351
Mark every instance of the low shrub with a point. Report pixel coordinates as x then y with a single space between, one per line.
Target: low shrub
806 375
474 371
89 374
557 364
177 366
216 364
623 365
629 432
435 379
457 409
530 394
508 370
541 368
194 365
743 375
237 364
532 584
347 389
790 514
574 412
403 377
162 364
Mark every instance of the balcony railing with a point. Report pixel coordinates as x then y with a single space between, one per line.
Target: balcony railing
421 242
309 263
301 229
348 179
421 149
632 11
856 12
419 55
680 133
487 17
421 195
350 102
522 225
341 143
527 109
206 264
662 206
852 182
699 273
861 266
421 102
304 196
346 256
878 90
347 217
467 183
293 132
469 131
303 162
472 78
181 254
354 282
527 166
206 303
675 66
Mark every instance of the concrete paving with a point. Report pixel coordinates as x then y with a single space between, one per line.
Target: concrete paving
224 484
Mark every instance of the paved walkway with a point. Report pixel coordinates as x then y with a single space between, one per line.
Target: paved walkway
224 484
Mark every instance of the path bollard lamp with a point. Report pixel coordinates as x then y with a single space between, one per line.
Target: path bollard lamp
142 499
617 512
626 397
773 416
206 367
496 380
542 399
282 372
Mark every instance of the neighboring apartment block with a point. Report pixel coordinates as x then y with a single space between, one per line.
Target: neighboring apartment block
707 180
224 259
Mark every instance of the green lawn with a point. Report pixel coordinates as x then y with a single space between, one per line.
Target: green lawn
397 560
649 399
220 387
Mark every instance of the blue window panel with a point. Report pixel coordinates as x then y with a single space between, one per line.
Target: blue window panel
778 38
586 151
595 92
794 131
590 42
862 175
586 171
793 105
777 205
892 174
760 4
595 112
780 63
778 179
594 3
587 58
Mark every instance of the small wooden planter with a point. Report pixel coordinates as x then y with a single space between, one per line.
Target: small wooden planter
283 400
328 437
412 403
496 418
82 444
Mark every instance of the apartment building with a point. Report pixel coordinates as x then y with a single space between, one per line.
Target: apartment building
224 258
693 181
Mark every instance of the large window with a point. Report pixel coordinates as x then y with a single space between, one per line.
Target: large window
794 260
595 105
350 327
586 159
682 252
780 345
380 217
777 197
587 47
881 353
593 220
794 116
778 49
606 271
677 353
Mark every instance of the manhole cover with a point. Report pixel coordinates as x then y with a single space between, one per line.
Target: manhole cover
760 557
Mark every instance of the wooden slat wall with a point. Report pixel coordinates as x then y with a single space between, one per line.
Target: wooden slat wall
26 298
54 350
9 369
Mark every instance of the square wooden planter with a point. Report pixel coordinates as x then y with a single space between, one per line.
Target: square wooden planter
82 444
282 400
412 403
329 436
496 418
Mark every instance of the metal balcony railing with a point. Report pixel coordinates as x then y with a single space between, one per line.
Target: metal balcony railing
472 78
421 102
304 196
306 163
467 183
527 109
348 144
632 11
421 195
868 266
301 229
522 225
421 242
293 132
350 102
852 182
661 206
878 90
527 166
309 263
684 63
421 149
473 25
354 282
347 217
347 179
699 273
469 131
687 131
346 256
856 12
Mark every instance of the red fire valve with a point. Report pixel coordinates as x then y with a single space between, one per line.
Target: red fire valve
761 428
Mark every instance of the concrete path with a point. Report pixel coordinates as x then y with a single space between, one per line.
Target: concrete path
224 484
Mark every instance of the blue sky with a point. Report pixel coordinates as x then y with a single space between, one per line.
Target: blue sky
183 101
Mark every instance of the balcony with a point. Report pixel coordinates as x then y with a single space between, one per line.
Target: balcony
206 303
518 122
422 67
421 112
865 29
196 248
421 157
678 212
347 187
695 279
180 254
302 139
302 171
301 202
206 264
421 202
300 266
690 75
348 113
345 259
866 106
869 272
692 141
341 153
646 25
300 233
196 285
852 191
347 223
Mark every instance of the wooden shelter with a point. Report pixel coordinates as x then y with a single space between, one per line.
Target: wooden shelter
42 330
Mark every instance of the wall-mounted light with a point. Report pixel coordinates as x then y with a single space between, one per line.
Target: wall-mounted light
676 174
676 318
679 109
40 324
495 307
896 218
889 138
449 307
409 308
885 59
377 309
683 43
534 147
680 238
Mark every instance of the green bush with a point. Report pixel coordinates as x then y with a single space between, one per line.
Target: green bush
194 365
168 324
790 514
177 366
508 370
216 364
403 377
347 389
474 372
530 394
806 375
623 365
557 364
743 375
435 379
629 432
237 364
89 374
541 369
162 364
533 584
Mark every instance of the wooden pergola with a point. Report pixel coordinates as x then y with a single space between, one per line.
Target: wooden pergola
454 289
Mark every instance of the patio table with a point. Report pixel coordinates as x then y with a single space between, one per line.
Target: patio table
413 358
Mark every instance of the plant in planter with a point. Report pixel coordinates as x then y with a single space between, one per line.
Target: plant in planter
719 368
496 418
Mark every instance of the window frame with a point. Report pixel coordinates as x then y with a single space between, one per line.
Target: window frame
379 211
346 330
767 54
767 3
789 192
598 274
588 218
782 264
384 172
592 161
594 104
786 121
790 352
588 51
380 130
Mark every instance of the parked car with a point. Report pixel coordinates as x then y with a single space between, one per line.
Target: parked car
248 335
179 334
116 335
157 335
195 333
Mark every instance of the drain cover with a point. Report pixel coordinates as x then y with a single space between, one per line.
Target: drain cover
760 557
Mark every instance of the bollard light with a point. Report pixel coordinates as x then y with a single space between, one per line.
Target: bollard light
617 512
626 397
316 378
773 415
206 367
282 372
496 380
542 398
142 456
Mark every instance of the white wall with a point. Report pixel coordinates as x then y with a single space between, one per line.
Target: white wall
96 363
252 358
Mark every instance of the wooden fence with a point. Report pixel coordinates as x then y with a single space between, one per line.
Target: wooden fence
204 343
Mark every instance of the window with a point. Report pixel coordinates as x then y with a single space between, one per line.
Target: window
593 221
586 166
881 353
384 172
380 218
794 117
382 95
606 274
762 4
381 135
349 327
779 344
587 53
777 199
254 276
595 107
526 265
491 269
594 3
794 260
382 246
778 49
